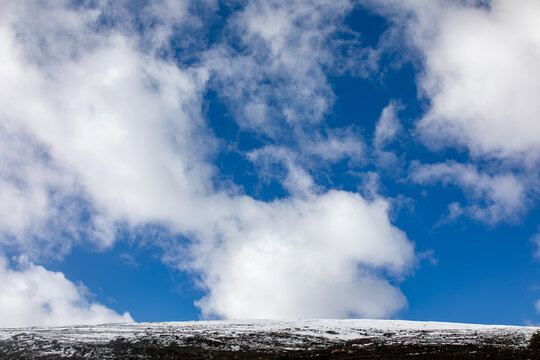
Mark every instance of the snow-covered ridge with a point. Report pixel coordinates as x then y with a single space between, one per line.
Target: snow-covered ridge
262 335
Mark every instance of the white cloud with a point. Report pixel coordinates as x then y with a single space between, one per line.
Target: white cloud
500 197
297 181
480 73
318 257
388 126
338 144
38 202
387 130
279 82
120 130
537 306
33 296
116 120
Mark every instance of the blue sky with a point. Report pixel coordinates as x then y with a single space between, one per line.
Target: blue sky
184 160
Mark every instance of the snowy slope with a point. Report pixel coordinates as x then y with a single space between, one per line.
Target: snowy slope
266 337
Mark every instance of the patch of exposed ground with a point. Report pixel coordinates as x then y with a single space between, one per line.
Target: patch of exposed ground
322 339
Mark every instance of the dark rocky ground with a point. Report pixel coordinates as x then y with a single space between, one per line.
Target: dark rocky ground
351 339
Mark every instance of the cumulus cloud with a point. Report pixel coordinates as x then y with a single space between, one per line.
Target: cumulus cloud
317 257
33 296
117 120
500 197
316 254
101 129
479 74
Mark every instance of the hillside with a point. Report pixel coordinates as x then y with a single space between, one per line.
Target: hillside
339 339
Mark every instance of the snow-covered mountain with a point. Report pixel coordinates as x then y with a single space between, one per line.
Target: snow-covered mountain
266 339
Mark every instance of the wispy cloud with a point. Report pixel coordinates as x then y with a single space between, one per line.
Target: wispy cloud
388 127
495 198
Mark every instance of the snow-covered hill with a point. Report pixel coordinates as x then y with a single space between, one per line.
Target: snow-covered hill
272 339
